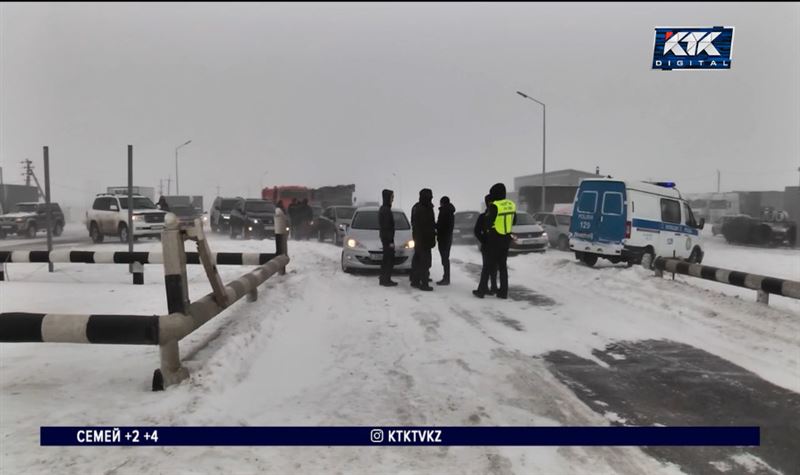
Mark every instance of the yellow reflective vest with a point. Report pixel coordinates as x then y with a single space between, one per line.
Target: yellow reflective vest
505 216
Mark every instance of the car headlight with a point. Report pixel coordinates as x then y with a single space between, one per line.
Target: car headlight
20 220
226 216
351 243
409 244
205 218
513 237
137 217
311 222
544 234
342 227
255 221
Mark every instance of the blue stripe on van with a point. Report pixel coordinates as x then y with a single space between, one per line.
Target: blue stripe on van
648 225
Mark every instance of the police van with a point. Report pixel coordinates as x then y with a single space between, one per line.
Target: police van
633 222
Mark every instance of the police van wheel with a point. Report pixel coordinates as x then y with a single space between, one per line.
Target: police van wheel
589 259
647 259
30 231
694 257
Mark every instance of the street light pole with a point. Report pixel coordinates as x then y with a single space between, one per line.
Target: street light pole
544 143
177 190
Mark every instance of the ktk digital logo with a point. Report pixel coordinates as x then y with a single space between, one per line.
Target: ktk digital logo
693 48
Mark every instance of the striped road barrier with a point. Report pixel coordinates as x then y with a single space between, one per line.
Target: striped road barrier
762 284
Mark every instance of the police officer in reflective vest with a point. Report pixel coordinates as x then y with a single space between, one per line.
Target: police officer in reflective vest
500 217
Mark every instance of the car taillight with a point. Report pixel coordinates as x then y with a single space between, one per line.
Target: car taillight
627 229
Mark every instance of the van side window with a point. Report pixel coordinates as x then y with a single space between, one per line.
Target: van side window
612 203
587 202
670 211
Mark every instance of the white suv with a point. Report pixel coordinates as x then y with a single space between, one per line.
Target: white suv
109 217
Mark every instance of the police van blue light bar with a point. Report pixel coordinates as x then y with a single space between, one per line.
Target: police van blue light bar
665 184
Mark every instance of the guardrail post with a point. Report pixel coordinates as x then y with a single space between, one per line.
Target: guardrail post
281 241
138 273
762 297
174 254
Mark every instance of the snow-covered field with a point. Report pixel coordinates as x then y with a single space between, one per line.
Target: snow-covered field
321 347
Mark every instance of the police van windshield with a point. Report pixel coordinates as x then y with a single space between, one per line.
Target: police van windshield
524 219
369 220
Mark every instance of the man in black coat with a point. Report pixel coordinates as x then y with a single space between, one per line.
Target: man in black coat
423 229
386 226
497 244
480 232
444 235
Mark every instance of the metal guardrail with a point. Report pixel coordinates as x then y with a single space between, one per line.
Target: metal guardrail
166 330
137 259
764 285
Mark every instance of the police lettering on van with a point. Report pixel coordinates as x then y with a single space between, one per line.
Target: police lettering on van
633 222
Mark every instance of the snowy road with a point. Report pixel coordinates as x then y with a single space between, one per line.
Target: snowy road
325 348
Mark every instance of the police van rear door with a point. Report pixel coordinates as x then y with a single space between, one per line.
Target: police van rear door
612 213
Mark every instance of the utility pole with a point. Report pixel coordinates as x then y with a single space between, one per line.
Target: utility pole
29 174
28 171
718 179
169 183
160 187
218 190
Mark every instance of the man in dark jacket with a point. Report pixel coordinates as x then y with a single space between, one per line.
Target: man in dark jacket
480 232
423 229
444 235
386 226
293 218
498 240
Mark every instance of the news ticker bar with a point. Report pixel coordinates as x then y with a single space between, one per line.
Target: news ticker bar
354 436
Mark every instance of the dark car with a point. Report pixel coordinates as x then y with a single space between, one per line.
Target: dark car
220 214
464 227
29 218
333 223
252 218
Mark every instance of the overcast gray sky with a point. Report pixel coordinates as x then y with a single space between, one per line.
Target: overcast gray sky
350 93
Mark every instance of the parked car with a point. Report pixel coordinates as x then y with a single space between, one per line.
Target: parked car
252 218
557 228
220 214
527 235
333 223
29 218
464 227
186 214
109 217
362 247
716 228
744 229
